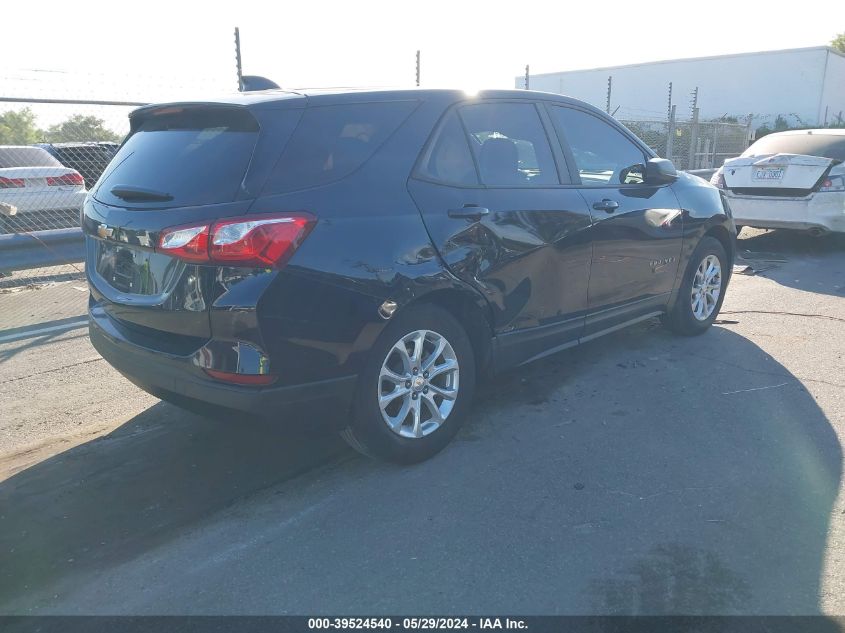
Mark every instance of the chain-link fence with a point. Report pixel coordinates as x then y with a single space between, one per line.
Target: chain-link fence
677 132
45 170
51 153
692 144
58 132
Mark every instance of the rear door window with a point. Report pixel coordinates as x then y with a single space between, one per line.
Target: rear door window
26 157
510 144
333 141
448 158
195 156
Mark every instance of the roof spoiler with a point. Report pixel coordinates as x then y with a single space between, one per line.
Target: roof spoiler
250 83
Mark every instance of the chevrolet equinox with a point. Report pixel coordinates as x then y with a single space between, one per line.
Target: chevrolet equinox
371 254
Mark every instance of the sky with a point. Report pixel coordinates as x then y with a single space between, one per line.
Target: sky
156 50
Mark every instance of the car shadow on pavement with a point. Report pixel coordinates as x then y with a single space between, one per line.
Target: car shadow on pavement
641 473
123 493
700 473
9 351
796 259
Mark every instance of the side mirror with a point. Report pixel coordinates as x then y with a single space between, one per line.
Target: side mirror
659 171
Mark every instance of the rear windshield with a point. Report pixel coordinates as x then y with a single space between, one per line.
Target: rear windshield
193 156
333 141
824 145
26 157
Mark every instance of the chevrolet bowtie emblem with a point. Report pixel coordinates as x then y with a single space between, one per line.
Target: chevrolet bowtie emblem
105 231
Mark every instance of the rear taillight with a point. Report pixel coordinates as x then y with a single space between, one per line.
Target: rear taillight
72 178
255 241
11 183
258 241
718 179
833 183
186 242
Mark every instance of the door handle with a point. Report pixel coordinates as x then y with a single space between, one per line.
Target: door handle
606 205
469 212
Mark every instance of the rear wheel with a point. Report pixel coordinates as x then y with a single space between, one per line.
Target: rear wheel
416 387
702 290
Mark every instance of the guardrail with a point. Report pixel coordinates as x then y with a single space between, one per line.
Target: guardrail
40 249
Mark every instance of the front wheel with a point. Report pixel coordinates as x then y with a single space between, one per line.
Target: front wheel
415 389
702 290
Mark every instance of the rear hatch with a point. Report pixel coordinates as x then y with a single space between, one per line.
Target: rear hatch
39 180
775 175
181 164
785 164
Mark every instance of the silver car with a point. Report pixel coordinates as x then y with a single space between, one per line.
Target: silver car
789 180
37 191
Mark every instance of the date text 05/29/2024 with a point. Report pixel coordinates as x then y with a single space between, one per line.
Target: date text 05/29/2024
429 623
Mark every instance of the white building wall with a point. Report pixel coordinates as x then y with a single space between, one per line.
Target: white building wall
766 84
833 96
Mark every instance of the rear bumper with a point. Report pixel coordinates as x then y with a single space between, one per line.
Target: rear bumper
177 378
819 210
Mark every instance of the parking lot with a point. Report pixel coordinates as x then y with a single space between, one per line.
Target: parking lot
641 473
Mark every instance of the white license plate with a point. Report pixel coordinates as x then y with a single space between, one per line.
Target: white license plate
768 173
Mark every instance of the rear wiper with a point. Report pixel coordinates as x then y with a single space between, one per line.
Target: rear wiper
129 193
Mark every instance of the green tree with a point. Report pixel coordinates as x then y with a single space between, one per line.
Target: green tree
838 42
80 127
17 127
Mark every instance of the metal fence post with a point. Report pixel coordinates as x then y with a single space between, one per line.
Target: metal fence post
693 140
670 133
716 127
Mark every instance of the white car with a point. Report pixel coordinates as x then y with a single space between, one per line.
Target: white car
37 191
788 180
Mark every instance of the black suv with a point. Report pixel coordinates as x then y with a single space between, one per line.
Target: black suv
371 253
88 158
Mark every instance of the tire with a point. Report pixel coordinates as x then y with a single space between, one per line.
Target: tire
686 315
404 440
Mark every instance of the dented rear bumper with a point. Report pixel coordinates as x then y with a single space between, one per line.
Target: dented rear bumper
823 210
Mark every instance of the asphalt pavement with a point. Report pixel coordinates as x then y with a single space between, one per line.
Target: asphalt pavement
642 473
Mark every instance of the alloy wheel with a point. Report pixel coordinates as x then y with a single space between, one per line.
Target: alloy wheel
706 287
418 384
